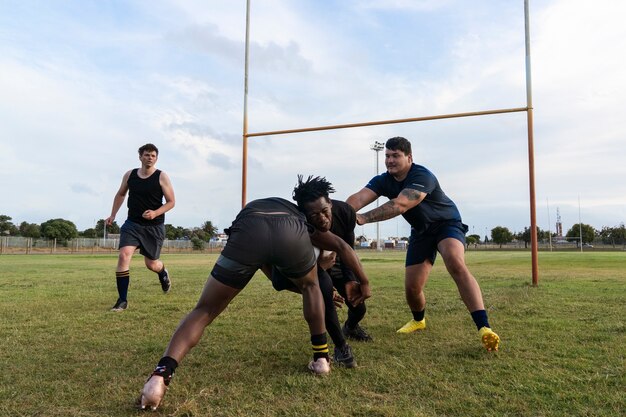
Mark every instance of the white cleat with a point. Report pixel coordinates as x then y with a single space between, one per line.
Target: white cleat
152 393
320 367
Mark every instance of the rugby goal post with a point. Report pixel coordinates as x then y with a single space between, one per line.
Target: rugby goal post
529 118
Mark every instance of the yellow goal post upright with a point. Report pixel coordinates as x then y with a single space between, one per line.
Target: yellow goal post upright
529 117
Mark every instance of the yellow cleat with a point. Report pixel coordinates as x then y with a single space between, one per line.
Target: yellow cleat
490 340
412 326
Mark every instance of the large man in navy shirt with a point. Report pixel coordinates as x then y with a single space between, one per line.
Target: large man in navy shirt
436 226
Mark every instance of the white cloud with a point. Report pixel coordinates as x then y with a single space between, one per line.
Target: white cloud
81 94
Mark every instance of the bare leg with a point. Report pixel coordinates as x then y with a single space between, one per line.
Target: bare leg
312 301
154 265
453 254
214 299
415 278
123 260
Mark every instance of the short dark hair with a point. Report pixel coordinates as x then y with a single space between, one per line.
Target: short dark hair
311 189
148 147
399 143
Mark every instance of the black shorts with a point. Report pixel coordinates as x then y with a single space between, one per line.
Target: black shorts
423 245
149 239
280 240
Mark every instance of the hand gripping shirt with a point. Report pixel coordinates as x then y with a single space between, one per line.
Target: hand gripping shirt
436 207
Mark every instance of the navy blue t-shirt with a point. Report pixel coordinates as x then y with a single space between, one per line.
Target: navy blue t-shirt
436 207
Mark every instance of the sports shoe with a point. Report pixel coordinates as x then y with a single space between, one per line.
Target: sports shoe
490 340
321 366
358 333
166 284
343 356
412 326
120 305
152 393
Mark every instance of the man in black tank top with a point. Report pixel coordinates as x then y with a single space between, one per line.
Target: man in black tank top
145 225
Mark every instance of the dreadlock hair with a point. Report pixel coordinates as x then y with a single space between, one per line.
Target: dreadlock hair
311 189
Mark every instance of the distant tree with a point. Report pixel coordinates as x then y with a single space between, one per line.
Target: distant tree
613 235
59 229
113 228
525 236
209 229
7 227
174 233
30 230
89 233
472 240
501 235
588 233
475 237
197 243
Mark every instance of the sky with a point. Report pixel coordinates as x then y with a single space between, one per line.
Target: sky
85 83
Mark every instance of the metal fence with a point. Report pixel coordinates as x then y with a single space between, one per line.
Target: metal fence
27 245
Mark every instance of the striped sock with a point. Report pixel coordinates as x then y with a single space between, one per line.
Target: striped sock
320 346
123 281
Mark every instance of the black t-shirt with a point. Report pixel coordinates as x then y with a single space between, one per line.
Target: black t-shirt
144 194
271 205
436 207
344 221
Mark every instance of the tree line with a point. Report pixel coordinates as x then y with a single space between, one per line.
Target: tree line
501 235
64 230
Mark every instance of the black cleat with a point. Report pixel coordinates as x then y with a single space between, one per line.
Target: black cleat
120 305
343 356
358 333
164 279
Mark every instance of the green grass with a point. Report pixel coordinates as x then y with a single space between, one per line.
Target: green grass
563 351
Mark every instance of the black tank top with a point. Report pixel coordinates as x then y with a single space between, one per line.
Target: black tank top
144 194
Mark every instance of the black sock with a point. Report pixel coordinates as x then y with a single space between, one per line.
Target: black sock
166 368
161 273
123 281
320 346
480 319
418 315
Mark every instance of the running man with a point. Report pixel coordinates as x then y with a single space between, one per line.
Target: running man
145 226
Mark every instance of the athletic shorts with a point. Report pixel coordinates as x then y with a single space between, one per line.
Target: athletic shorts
280 240
149 239
423 245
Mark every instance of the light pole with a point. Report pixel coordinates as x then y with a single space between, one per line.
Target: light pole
377 147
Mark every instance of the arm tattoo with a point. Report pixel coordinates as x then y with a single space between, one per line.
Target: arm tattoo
390 209
384 212
411 194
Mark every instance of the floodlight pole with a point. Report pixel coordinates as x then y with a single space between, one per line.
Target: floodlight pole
377 147
531 153
244 169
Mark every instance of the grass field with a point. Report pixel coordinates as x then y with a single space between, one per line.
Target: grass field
563 351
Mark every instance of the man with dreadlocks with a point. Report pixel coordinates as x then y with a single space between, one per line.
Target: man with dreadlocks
338 217
282 238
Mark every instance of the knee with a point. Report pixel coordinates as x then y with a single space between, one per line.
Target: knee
152 264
